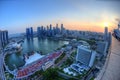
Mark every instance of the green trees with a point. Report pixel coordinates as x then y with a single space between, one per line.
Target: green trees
38 73
60 58
51 74
68 62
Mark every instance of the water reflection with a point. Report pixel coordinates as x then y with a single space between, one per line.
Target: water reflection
43 45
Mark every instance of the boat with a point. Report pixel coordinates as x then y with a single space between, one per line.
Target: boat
116 33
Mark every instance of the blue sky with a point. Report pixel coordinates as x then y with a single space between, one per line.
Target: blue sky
16 15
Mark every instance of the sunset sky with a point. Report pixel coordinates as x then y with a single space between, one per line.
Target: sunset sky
90 15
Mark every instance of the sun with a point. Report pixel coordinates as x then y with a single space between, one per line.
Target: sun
106 24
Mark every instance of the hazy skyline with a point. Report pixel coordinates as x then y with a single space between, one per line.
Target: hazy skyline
91 15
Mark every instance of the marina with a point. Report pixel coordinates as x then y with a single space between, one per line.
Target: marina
41 47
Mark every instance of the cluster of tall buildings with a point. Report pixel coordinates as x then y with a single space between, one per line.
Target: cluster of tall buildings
48 31
60 31
3 38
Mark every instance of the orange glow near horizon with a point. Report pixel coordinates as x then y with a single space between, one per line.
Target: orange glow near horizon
87 26
96 26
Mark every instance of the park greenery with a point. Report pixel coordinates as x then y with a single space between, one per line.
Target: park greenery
92 78
60 58
90 41
9 76
73 54
52 74
68 62
38 73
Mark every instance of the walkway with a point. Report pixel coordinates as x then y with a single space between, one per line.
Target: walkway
111 69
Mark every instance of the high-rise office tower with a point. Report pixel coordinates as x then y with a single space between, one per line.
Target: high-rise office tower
47 28
57 30
62 28
29 33
106 33
38 32
50 26
47 31
85 56
56 25
50 31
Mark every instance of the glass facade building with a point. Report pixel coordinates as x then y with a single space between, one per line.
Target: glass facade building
3 38
29 33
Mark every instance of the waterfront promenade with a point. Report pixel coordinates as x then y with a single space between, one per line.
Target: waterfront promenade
111 69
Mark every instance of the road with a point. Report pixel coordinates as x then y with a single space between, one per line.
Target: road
111 69
64 59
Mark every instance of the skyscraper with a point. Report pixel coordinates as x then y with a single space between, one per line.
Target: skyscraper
3 38
62 28
85 56
50 30
56 25
29 33
50 26
106 33
5 34
38 31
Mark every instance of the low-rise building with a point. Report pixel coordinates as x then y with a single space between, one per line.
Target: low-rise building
48 65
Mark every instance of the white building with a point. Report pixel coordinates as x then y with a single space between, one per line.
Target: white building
84 44
85 56
33 58
48 64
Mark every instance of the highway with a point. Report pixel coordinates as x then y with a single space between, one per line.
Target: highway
111 69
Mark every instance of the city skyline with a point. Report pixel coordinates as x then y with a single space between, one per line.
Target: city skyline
75 15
